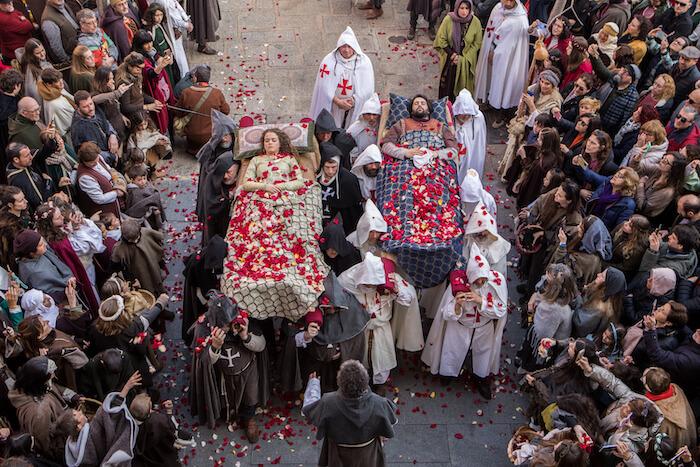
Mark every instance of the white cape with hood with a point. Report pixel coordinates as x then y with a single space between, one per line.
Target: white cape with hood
367 184
361 132
358 72
451 337
472 192
502 83
471 136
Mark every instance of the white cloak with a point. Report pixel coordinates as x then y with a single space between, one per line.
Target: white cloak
337 76
506 34
370 155
472 192
471 136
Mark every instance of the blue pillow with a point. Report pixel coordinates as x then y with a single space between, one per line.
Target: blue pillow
398 109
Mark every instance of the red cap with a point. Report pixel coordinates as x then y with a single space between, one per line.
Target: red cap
315 316
459 282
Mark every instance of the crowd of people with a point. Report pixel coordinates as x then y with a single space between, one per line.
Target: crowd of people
297 286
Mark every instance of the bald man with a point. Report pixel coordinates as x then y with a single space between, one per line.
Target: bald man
688 208
25 126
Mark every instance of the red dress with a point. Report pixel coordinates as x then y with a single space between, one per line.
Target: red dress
157 85
572 76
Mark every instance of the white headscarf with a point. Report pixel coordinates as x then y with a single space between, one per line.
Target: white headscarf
33 305
494 247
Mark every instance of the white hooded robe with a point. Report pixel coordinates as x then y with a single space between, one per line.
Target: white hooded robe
361 132
503 82
337 76
471 135
368 185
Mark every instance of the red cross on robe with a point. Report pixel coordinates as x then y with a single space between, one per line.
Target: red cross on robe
344 87
324 70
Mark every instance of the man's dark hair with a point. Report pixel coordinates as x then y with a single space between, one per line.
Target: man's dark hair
81 96
202 74
51 75
353 380
9 79
137 170
14 149
421 96
688 237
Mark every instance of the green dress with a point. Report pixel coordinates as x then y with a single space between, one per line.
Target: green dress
455 77
161 42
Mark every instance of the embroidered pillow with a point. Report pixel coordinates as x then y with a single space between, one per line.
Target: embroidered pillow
398 109
248 139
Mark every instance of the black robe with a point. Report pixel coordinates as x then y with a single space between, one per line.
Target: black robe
202 270
333 236
340 138
247 384
154 443
217 198
341 195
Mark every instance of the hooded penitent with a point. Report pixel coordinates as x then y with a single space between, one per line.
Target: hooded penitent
472 192
349 318
214 202
334 237
344 78
221 125
340 193
471 135
368 184
494 247
372 219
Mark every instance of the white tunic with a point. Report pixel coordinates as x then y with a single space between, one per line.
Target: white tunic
502 83
337 76
471 135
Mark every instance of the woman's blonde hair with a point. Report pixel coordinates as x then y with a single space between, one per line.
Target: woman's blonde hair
631 178
656 129
562 286
669 86
78 65
592 102
108 308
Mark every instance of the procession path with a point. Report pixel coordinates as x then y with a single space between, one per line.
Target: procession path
269 54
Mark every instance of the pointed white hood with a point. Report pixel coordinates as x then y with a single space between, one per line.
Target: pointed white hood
477 266
465 104
471 191
348 38
369 155
372 219
480 220
372 106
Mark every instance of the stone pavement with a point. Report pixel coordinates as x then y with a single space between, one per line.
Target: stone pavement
269 54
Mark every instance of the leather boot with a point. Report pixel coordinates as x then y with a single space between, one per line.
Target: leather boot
374 13
411 33
365 6
252 432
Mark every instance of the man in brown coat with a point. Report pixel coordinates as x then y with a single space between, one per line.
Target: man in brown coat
198 131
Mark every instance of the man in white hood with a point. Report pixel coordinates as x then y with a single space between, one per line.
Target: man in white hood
366 168
377 287
471 193
472 314
481 230
344 81
370 228
365 129
470 134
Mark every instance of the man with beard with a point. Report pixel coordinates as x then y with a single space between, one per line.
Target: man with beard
410 136
340 189
221 141
366 168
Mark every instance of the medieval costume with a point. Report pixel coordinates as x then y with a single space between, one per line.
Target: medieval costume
218 197
411 133
174 30
325 123
156 85
368 183
106 372
362 132
345 255
108 439
506 41
474 325
460 36
367 281
471 135
481 230
342 321
203 269
345 78
472 192
205 16
142 259
221 125
156 442
351 428
371 221
145 203
121 29
226 383
341 193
